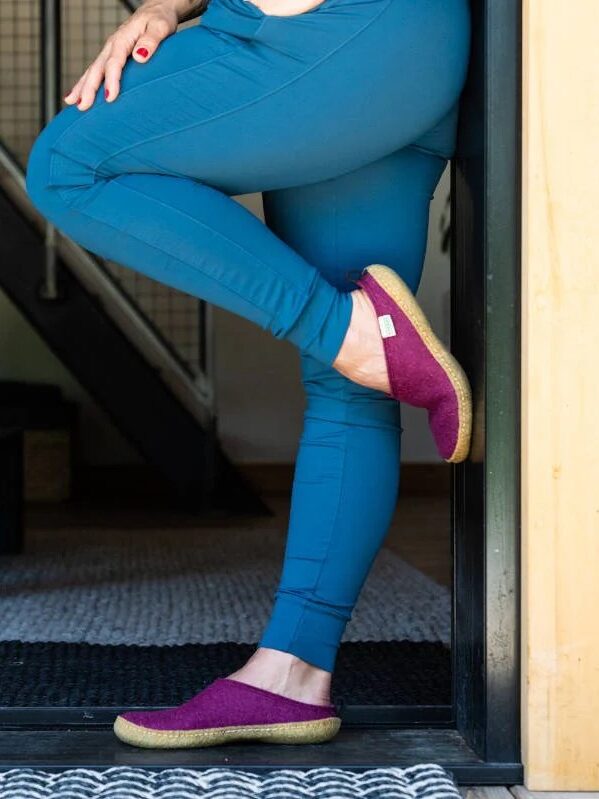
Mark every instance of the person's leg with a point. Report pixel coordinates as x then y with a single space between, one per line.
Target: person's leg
347 467
255 103
246 102
346 479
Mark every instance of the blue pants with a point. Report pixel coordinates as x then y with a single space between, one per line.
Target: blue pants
344 117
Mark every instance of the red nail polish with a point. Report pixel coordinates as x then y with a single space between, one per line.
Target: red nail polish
142 51
106 93
79 101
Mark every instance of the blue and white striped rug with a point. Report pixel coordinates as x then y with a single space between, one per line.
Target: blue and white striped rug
422 781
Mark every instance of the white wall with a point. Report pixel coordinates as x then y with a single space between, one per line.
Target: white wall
258 386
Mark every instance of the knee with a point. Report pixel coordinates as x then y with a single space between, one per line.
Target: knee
54 176
37 176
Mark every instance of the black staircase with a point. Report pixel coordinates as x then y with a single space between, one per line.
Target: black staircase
157 391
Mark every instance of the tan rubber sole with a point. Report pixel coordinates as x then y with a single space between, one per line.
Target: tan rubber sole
393 284
298 732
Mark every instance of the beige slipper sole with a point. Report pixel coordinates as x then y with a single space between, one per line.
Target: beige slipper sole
297 732
393 284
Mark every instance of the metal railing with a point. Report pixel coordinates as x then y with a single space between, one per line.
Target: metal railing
45 45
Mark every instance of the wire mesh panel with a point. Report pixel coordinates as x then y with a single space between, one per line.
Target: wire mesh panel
20 109
174 314
85 25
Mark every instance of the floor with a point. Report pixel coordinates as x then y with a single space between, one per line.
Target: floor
419 533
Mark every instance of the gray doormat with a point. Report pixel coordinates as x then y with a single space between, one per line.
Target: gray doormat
423 781
170 587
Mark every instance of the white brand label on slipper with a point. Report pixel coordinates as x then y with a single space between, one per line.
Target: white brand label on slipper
386 325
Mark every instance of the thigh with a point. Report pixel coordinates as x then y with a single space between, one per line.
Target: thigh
247 101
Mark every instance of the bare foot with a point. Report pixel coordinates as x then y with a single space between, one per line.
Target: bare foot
362 356
286 674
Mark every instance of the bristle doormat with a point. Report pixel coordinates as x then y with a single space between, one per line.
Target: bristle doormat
422 781
90 675
177 586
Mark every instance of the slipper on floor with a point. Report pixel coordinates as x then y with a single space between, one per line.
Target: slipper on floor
229 710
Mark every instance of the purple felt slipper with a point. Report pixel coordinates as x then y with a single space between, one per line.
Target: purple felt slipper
422 372
229 710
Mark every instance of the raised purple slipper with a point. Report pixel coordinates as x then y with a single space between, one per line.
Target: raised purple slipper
422 372
229 710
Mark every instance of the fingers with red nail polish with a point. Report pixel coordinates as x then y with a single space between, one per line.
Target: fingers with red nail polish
146 29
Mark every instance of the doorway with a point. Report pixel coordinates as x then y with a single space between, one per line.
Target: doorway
475 734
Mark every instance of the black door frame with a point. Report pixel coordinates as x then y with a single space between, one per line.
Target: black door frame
486 192
478 737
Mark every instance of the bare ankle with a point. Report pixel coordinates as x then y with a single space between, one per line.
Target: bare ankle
286 674
361 357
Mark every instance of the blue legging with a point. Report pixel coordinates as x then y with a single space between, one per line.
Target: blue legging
344 117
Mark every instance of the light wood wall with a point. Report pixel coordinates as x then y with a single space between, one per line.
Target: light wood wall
560 384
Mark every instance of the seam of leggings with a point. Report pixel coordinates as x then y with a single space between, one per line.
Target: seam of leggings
178 260
301 292
333 523
95 108
335 248
158 170
256 99
336 226
341 471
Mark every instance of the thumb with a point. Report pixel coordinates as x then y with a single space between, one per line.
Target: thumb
144 48
147 44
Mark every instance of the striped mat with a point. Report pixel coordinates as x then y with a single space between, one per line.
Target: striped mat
422 781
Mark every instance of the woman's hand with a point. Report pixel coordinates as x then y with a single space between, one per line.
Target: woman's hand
140 34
